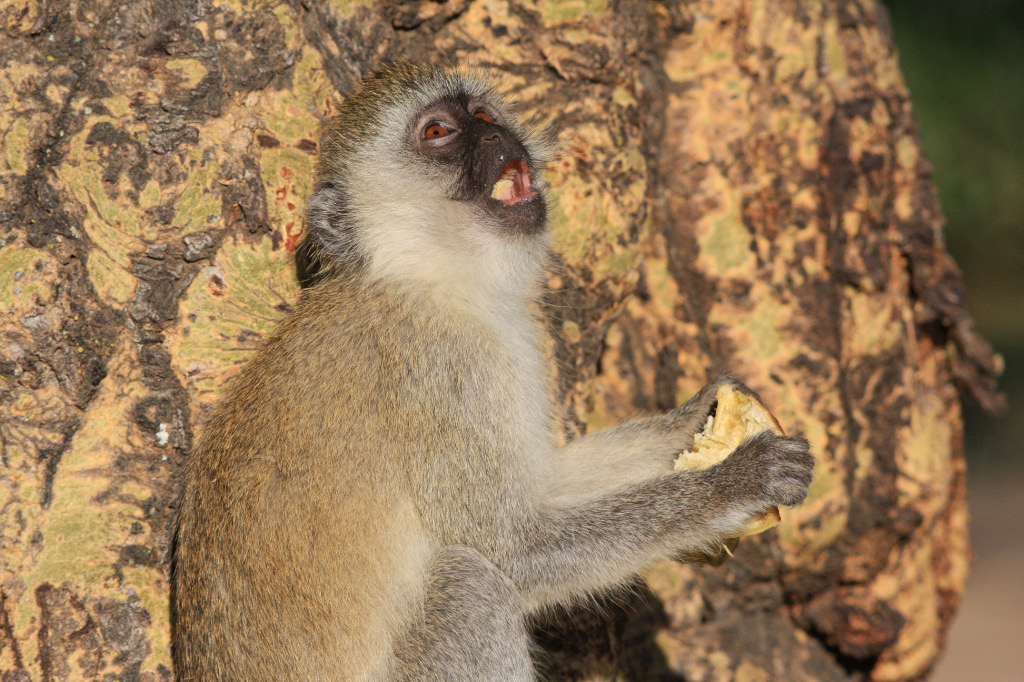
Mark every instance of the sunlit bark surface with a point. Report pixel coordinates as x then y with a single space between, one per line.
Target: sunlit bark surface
739 185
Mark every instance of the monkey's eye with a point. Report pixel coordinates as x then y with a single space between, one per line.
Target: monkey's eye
435 131
484 116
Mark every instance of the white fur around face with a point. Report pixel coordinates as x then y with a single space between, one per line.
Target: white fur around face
404 226
411 232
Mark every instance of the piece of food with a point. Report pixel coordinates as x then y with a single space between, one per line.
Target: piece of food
738 417
513 186
503 189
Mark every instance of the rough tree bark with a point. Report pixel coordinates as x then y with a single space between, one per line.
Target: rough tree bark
740 185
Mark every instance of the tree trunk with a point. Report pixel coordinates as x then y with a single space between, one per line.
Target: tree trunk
740 186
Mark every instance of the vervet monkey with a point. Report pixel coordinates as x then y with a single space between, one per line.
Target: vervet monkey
378 497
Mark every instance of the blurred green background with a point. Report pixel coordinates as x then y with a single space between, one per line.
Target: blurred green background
964 63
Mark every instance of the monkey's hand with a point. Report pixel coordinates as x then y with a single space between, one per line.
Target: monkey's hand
766 471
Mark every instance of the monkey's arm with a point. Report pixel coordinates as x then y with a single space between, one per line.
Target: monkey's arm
593 544
635 450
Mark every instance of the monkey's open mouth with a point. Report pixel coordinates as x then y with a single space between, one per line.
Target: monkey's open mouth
513 185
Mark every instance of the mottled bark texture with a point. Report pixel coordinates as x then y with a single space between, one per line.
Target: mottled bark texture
740 185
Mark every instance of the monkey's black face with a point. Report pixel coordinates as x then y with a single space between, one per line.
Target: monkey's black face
490 166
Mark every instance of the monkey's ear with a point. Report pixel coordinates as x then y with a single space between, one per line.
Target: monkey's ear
330 242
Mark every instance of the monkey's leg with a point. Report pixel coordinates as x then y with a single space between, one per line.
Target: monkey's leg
472 627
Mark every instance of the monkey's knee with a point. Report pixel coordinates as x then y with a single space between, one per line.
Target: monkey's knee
473 625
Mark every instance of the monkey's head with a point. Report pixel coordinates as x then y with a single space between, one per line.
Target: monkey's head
426 176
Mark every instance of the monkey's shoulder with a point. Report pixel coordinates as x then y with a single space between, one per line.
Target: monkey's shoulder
352 349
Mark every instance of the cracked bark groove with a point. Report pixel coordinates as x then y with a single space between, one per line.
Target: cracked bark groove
740 185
